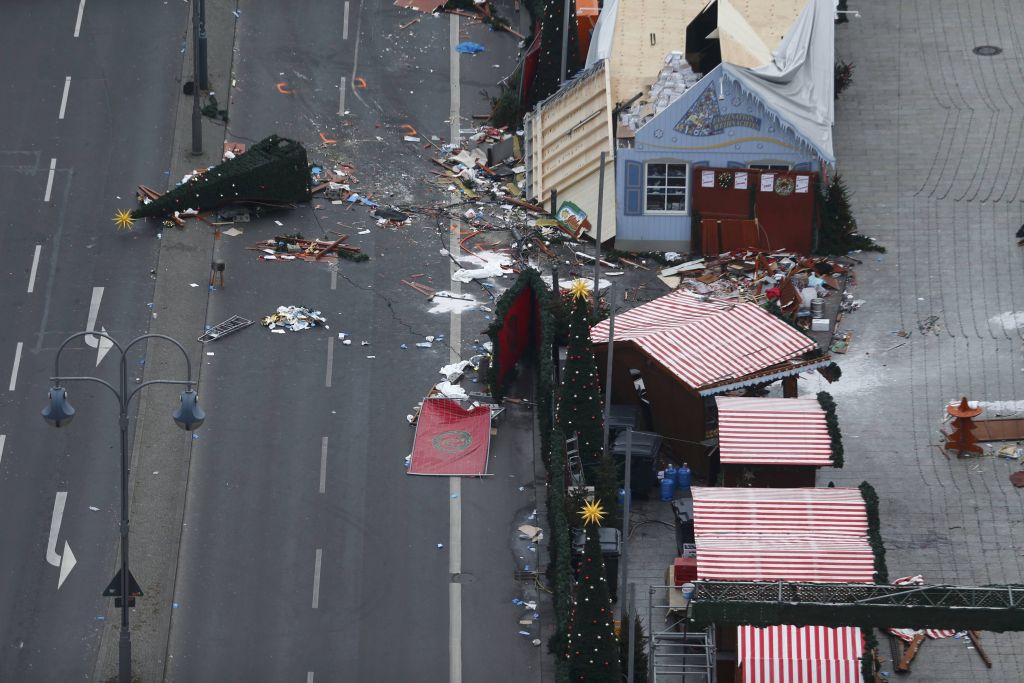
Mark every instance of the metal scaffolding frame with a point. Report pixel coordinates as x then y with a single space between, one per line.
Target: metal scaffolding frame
761 603
678 653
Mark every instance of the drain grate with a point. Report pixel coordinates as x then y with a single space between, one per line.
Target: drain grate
987 50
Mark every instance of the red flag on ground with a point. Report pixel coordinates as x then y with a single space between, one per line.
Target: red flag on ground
451 440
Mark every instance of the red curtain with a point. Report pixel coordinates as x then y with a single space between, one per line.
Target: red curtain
514 339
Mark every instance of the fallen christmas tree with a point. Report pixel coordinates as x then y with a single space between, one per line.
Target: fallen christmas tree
274 171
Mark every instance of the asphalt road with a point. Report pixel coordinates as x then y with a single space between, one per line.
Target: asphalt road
307 552
113 131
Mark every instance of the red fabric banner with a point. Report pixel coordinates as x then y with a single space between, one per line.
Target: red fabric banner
451 440
514 336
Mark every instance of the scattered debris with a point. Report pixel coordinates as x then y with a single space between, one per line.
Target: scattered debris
293 319
294 247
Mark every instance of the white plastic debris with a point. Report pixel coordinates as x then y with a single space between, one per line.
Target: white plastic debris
454 371
449 390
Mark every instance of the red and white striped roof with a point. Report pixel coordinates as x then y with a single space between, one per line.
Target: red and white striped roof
746 558
704 341
781 513
773 431
791 654
800 534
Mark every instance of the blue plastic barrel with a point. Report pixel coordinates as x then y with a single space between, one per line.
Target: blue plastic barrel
667 487
622 496
683 478
670 473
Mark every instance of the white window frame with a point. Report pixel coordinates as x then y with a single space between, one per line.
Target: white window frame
686 189
771 167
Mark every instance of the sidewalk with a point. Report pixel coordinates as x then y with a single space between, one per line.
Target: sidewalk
927 138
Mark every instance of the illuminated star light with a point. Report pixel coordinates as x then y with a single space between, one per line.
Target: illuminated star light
579 289
123 219
592 513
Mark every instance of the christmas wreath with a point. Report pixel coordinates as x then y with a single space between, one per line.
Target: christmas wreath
725 180
784 186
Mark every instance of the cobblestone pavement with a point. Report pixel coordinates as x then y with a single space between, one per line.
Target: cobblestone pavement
929 140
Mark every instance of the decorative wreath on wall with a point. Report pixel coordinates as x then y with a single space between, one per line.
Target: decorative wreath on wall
725 180
784 186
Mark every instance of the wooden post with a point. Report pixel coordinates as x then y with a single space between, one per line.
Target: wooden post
789 387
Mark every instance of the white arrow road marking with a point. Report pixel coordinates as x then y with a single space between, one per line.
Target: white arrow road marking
67 563
67 560
101 344
105 346
94 311
58 513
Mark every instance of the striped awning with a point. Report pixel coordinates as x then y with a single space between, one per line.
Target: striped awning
787 559
773 431
705 341
801 534
815 512
791 654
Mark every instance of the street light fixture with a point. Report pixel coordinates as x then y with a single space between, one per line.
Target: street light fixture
59 411
189 416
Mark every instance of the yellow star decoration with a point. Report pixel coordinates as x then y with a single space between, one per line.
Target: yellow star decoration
592 513
580 289
123 219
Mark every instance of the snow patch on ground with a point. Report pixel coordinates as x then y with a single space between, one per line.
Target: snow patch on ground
1011 320
450 302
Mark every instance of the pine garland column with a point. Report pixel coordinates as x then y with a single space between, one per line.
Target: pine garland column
580 402
579 397
593 648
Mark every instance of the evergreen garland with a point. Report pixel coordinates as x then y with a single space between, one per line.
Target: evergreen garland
559 551
528 278
867 660
544 389
867 491
593 650
640 664
579 396
549 63
832 421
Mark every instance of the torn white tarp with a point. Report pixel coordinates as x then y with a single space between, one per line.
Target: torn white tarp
604 32
798 84
492 269
454 371
449 390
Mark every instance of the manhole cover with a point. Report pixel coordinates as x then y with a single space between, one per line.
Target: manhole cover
987 50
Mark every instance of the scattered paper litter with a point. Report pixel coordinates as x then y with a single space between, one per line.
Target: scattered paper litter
192 284
233 232
292 319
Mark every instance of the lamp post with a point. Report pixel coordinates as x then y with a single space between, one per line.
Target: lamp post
188 416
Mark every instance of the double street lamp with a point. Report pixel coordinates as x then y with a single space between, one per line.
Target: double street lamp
188 416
